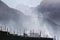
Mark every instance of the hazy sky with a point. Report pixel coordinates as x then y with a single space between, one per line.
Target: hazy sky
30 3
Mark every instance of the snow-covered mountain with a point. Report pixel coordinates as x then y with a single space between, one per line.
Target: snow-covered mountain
12 18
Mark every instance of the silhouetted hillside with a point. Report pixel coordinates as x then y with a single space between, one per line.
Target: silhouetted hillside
8 36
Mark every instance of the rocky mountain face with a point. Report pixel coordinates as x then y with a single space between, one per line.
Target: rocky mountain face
51 15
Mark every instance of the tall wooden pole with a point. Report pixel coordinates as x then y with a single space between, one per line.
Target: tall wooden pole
5 27
40 33
1 28
7 31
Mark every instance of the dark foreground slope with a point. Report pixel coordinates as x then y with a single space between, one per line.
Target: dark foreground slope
8 36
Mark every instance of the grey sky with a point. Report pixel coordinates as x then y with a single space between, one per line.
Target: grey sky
14 3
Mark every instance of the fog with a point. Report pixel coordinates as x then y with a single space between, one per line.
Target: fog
50 10
14 3
31 15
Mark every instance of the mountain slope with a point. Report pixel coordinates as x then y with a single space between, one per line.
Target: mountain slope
51 15
12 18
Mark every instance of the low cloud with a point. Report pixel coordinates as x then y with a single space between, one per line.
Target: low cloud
50 9
12 18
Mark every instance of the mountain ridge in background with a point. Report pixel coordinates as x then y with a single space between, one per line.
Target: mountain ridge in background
12 18
51 14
